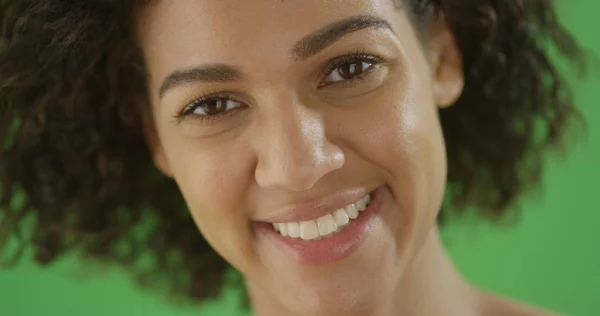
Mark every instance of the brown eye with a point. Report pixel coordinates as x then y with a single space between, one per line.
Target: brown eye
214 106
348 70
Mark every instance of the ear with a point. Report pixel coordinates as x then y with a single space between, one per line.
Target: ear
446 65
154 144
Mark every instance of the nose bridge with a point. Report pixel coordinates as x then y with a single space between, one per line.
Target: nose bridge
294 152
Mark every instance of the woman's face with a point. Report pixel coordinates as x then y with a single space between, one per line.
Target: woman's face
290 111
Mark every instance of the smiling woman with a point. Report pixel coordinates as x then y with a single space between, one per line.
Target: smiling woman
307 144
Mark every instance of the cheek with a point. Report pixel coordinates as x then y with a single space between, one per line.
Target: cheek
401 135
213 179
419 163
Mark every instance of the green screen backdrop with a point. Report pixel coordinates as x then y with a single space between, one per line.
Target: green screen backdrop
551 257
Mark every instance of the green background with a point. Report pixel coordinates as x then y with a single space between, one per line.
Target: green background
551 257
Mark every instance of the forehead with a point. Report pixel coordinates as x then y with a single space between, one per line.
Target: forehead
222 26
243 33
210 19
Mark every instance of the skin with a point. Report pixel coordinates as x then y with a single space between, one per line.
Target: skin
297 140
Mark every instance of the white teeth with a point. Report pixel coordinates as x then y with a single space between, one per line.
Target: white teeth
309 230
326 225
352 211
283 229
361 205
293 230
341 217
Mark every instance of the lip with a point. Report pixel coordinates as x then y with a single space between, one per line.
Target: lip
315 209
329 249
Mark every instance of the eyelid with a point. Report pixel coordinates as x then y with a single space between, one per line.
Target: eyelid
352 57
187 111
356 55
211 96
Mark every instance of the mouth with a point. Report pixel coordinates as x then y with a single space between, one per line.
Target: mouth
328 238
324 226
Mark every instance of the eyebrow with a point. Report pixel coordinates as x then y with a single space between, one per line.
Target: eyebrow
207 73
308 46
313 43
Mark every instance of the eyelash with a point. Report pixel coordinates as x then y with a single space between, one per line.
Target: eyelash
187 112
356 57
359 56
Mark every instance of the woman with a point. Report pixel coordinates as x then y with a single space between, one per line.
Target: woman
313 142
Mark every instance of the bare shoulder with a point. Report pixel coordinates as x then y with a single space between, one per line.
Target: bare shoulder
496 305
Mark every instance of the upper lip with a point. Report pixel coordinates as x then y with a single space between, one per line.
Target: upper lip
316 208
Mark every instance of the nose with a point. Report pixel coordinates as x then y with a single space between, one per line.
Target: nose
293 150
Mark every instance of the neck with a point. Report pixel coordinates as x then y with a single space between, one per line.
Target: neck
430 286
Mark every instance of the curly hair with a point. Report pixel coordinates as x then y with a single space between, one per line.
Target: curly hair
74 160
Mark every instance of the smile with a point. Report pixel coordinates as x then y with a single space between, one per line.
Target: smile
330 237
326 225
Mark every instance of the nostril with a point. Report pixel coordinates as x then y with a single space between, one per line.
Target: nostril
296 155
297 169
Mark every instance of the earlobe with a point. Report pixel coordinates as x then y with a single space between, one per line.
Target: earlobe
155 147
447 67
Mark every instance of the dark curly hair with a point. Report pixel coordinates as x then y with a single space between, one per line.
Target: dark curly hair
75 165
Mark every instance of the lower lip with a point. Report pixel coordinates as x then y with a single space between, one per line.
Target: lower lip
332 248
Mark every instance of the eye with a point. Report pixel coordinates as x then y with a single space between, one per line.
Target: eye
210 108
349 68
